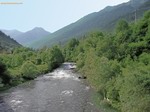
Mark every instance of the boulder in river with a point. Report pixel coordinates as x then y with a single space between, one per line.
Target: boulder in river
82 77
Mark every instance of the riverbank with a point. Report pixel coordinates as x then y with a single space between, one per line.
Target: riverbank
25 64
17 82
60 90
98 100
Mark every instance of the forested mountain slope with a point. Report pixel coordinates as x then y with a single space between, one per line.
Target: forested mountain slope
117 65
7 43
103 20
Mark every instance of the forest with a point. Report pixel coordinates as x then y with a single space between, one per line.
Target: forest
117 65
25 64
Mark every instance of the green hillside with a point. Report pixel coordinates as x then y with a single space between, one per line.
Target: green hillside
103 20
116 65
7 43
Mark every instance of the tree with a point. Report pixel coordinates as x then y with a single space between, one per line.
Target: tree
69 49
55 58
5 77
135 89
29 70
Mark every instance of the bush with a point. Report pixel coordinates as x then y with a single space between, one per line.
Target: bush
4 76
29 70
42 68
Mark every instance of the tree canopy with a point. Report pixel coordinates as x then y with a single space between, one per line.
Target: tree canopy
118 65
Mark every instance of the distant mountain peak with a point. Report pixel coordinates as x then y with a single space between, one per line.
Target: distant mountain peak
36 29
30 36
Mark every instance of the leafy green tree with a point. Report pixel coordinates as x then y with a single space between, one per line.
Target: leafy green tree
117 65
122 26
134 93
68 51
4 76
29 70
55 58
17 60
145 58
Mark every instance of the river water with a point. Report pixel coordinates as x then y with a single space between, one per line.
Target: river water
58 91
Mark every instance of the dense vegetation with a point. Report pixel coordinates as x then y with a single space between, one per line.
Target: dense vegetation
6 43
117 65
25 64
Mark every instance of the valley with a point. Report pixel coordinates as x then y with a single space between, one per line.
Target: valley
100 63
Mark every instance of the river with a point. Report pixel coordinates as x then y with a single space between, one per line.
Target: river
58 91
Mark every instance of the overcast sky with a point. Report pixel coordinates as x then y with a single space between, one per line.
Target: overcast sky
49 14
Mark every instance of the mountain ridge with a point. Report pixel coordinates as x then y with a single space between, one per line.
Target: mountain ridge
12 33
104 20
25 38
7 43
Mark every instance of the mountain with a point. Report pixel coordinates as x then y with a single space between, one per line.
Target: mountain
12 33
104 20
7 43
28 37
137 3
31 36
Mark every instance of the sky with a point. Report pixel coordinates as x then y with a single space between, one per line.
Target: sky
48 14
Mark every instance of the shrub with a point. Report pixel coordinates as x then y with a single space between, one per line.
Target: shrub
29 70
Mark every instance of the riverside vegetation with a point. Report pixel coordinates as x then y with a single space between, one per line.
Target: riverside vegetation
116 65
25 64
